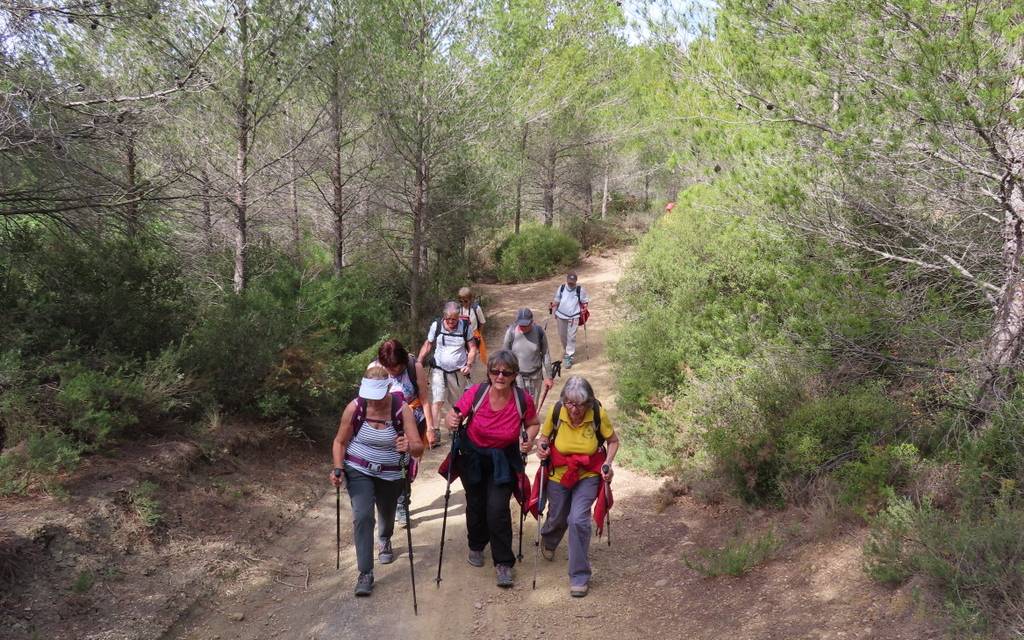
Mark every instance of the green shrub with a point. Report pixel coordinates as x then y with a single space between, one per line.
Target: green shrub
707 286
100 406
106 294
976 558
145 504
865 483
536 252
742 413
84 582
738 556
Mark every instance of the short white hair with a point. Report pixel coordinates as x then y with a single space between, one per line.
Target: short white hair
578 391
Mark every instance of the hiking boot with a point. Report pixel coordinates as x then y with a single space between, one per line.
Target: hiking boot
364 585
548 554
579 590
401 515
435 440
476 558
385 555
504 575
567 362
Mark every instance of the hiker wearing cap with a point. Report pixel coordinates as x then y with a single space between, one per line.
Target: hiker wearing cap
471 312
454 354
491 457
377 430
409 378
569 302
530 344
578 437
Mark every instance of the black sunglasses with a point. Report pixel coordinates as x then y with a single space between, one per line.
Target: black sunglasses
499 373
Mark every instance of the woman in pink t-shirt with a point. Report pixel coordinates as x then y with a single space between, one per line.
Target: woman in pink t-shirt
490 456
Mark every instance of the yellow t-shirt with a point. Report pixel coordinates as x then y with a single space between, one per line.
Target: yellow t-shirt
576 440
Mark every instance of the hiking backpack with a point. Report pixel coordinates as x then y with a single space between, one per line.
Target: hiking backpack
359 416
556 413
461 331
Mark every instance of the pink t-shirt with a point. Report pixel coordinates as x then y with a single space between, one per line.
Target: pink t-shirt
495 429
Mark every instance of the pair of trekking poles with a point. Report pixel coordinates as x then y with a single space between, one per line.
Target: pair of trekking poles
407 479
522 514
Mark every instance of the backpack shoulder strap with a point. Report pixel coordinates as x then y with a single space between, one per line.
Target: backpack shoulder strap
476 311
597 424
578 288
410 368
561 288
358 416
520 398
478 399
556 415
396 411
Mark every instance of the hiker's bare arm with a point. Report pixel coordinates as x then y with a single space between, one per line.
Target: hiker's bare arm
471 359
411 440
341 441
424 350
613 448
421 383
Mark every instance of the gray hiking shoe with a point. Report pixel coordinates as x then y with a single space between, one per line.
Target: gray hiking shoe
384 553
364 585
579 590
567 362
401 516
476 558
504 575
547 554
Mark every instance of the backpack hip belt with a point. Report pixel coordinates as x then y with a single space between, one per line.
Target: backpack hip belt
375 467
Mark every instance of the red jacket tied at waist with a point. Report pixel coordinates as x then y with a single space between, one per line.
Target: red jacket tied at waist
575 464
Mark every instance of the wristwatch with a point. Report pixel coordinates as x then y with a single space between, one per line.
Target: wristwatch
337 472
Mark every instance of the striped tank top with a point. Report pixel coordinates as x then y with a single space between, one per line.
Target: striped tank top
376 446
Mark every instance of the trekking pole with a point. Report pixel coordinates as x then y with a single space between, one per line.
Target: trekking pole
586 342
408 529
540 511
337 520
447 496
607 508
522 507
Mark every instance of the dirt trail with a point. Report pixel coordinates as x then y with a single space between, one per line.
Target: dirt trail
640 588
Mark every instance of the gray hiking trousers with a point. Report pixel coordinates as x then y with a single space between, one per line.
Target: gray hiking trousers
569 510
366 492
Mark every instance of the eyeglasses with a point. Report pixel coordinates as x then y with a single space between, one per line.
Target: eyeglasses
576 405
502 373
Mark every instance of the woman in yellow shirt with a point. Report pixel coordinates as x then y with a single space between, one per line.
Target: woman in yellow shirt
581 443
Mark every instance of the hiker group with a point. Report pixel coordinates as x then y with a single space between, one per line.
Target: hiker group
494 426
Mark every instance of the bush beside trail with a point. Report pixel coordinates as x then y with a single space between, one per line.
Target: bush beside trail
535 252
107 339
756 364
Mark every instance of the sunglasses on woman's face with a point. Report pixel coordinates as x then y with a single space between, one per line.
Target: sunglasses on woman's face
502 373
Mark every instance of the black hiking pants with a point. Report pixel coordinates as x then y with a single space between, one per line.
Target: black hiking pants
489 516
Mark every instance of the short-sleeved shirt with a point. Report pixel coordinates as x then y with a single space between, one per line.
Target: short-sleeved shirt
475 315
576 440
495 429
568 304
451 351
403 384
530 348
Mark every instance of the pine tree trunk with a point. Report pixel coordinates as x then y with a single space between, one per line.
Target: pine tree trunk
522 175
338 205
131 187
549 188
604 193
204 186
240 278
293 192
